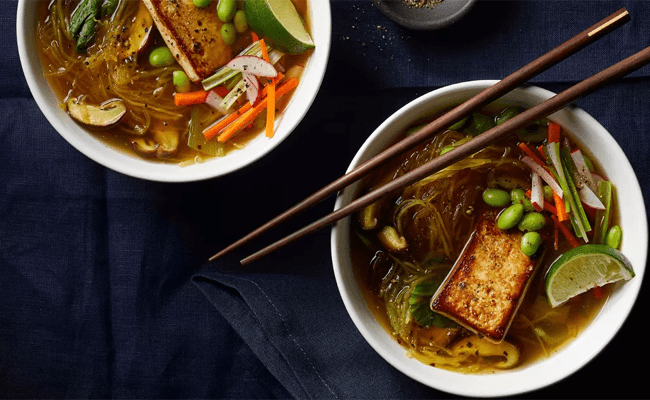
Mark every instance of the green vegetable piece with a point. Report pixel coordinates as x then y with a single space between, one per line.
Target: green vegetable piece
510 216
202 3
109 7
548 194
506 114
588 163
239 20
518 196
447 149
87 9
228 34
161 57
86 36
496 197
420 310
414 129
226 10
533 133
613 237
479 124
425 289
530 243
605 192
181 81
532 221
458 125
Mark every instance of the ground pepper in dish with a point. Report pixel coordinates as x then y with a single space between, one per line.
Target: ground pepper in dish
422 3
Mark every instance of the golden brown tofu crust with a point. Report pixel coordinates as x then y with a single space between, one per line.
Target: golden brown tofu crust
193 35
486 285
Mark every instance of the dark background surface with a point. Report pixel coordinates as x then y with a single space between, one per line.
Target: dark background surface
104 290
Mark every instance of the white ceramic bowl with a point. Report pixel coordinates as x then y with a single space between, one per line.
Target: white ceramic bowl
590 134
133 165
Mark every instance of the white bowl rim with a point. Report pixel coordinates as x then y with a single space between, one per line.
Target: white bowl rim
320 15
505 383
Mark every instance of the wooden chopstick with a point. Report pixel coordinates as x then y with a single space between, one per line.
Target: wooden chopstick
477 102
522 120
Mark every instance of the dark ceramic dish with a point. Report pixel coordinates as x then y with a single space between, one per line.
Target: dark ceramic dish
441 15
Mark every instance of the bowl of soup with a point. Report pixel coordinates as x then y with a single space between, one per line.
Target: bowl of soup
174 94
486 278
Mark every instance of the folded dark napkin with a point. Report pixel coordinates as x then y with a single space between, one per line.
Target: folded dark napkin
99 272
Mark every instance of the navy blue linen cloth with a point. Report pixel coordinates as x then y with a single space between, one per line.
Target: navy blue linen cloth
104 288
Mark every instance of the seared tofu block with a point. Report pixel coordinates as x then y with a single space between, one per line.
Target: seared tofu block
486 285
193 35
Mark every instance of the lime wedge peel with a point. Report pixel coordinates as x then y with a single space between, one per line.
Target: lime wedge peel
584 268
279 21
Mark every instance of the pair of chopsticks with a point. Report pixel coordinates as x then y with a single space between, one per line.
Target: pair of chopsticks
493 135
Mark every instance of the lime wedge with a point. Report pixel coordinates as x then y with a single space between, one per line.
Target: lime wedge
583 268
278 21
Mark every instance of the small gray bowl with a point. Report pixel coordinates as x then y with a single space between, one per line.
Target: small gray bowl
441 15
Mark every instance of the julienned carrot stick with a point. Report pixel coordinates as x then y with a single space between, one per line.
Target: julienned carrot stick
566 232
270 102
554 132
530 154
547 206
560 207
254 36
216 128
250 115
541 152
270 111
191 98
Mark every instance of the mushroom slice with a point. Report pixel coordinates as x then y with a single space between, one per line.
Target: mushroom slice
107 114
167 140
145 147
138 33
390 238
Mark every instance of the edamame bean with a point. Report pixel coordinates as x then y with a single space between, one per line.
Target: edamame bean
510 216
613 238
518 196
161 57
495 197
239 20
530 243
181 81
226 10
228 34
202 3
548 194
532 221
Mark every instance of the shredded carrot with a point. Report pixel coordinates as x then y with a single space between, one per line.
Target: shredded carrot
191 98
566 232
547 206
270 111
598 292
270 102
541 151
221 124
560 207
554 132
254 36
250 115
265 52
530 154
